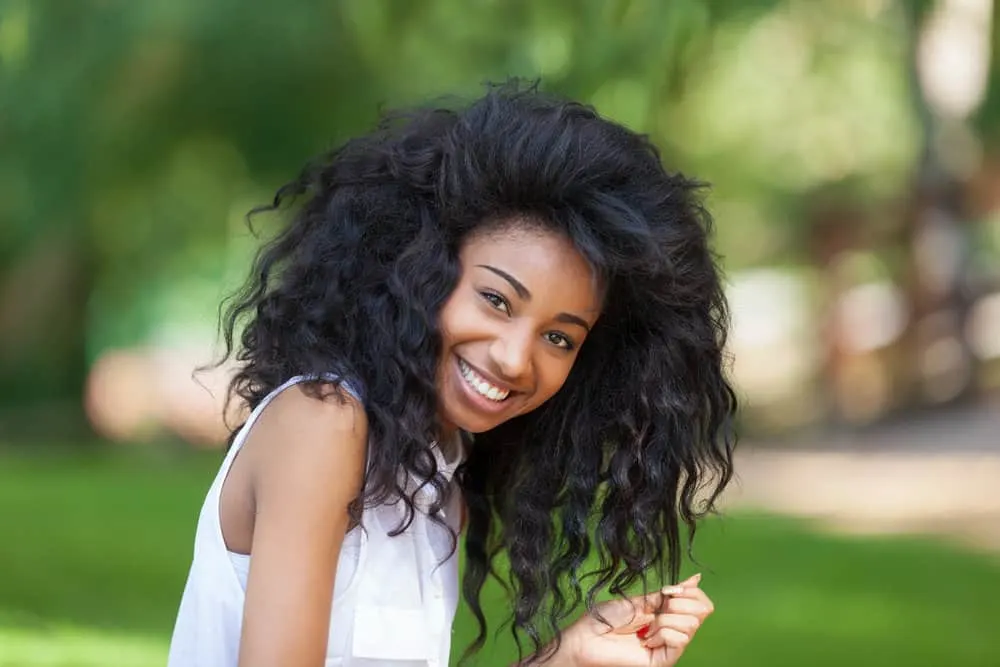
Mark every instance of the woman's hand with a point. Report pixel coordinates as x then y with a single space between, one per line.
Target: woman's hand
651 630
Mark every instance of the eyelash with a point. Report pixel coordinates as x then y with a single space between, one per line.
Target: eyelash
569 346
497 301
501 304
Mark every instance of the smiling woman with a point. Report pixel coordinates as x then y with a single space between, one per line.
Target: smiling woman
503 319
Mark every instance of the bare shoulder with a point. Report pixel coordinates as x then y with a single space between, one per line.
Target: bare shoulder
301 436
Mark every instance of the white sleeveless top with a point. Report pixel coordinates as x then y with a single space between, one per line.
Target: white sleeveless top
394 599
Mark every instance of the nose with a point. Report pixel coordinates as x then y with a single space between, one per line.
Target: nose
511 355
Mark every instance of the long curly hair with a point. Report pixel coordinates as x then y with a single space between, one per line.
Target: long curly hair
593 491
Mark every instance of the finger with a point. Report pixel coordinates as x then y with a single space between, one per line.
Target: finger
625 616
681 622
653 602
629 615
635 624
696 594
668 637
690 606
673 630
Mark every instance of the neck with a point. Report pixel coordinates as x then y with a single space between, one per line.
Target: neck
448 441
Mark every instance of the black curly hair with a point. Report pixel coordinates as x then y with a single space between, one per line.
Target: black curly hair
594 490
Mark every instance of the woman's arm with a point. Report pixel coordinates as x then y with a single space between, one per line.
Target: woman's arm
308 458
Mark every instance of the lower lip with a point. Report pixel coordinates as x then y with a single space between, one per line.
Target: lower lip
477 400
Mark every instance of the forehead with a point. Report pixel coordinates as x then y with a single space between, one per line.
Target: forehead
547 263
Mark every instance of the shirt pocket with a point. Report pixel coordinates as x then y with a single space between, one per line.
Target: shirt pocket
396 635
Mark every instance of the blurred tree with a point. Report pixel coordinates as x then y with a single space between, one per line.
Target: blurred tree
131 132
134 136
944 35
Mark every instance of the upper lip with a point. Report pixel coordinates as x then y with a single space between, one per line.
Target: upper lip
489 377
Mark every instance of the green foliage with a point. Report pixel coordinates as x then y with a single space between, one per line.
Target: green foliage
136 135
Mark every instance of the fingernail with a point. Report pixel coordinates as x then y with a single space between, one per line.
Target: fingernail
672 590
642 632
697 578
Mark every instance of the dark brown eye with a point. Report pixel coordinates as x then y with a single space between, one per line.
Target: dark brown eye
559 340
496 301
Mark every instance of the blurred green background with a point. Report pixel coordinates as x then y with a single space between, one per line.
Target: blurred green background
853 147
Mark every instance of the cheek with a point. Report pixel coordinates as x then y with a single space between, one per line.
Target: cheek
551 378
462 320
448 318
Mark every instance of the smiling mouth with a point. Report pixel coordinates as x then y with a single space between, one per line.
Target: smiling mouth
481 385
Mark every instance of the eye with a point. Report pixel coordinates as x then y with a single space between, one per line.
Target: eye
496 301
559 340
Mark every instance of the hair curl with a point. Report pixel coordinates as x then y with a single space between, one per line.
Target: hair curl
608 473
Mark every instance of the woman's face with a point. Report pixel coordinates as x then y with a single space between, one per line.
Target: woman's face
513 327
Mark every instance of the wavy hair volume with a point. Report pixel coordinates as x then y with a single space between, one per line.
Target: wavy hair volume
595 489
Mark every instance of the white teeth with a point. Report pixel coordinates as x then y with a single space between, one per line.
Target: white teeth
480 384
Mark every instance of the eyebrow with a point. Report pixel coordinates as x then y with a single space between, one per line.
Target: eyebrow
522 291
569 318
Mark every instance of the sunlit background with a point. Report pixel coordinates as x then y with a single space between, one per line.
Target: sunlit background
853 152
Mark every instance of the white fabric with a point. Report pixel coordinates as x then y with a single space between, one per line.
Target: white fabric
393 603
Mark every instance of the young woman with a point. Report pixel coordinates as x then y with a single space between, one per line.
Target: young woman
504 320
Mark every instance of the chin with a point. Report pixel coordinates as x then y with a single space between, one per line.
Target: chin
473 424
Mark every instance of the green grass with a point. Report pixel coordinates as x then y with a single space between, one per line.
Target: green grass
94 549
